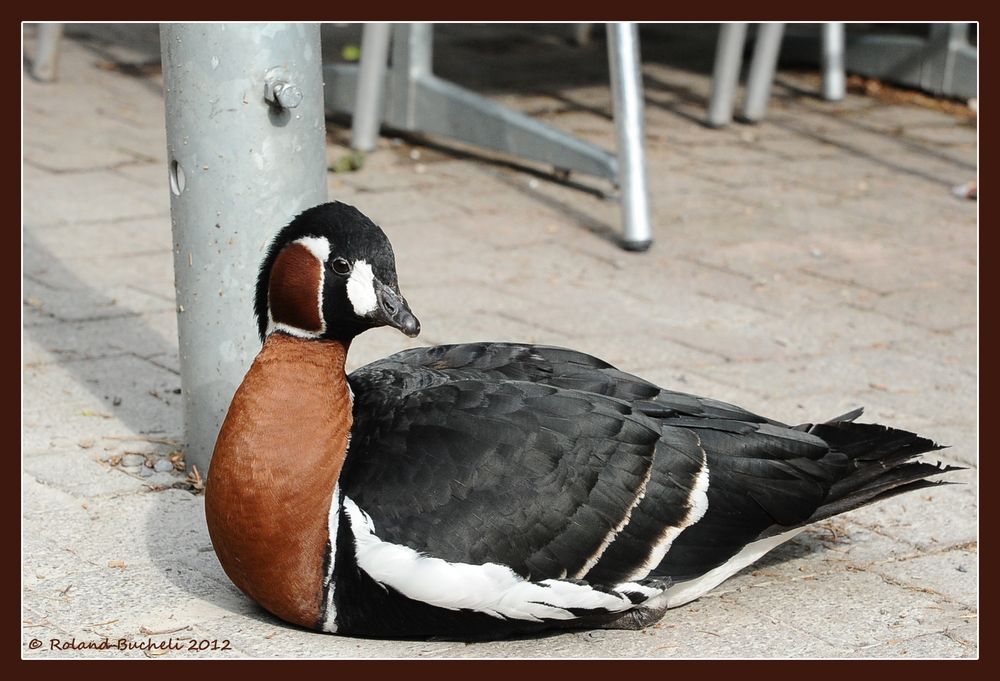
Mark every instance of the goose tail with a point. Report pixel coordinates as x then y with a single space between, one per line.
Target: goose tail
882 461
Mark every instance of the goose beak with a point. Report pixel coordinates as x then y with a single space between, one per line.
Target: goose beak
393 311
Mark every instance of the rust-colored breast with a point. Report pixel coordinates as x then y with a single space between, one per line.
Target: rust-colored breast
276 462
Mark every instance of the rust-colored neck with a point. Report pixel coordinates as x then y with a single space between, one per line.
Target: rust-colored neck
276 462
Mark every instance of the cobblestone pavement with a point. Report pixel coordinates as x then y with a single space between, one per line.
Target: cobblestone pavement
802 267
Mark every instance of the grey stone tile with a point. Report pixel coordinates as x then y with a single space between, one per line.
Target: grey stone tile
124 238
949 644
852 610
77 400
69 198
931 519
954 574
78 474
147 335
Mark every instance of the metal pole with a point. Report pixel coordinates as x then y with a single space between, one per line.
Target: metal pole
762 68
834 82
626 90
246 153
412 60
368 103
726 73
46 62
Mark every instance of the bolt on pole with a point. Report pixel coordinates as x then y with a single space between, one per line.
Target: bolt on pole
246 140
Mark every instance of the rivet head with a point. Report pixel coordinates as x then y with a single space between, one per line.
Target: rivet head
279 91
288 95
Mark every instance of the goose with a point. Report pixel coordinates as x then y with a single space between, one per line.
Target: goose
484 490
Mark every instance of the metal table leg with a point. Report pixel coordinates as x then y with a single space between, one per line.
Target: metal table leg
419 101
762 67
45 66
240 167
726 73
834 81
369 100
582 34
626 90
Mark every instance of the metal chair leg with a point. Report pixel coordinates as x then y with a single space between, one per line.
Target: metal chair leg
834 81
626 89
726 73
762 67
45 66
582 34
370 97
418 101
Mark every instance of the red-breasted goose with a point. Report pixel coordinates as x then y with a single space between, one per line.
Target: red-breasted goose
489 489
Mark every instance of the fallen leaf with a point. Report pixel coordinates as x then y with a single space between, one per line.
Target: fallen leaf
194 479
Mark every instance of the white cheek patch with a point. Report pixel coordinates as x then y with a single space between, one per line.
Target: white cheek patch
361 289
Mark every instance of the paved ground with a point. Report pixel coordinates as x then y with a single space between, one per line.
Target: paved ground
802 267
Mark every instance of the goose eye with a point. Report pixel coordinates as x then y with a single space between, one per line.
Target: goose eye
341 266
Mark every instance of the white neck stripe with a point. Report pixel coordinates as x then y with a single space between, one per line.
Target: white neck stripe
320 248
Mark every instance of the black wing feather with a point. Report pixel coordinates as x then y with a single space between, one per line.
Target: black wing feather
528 475
529 455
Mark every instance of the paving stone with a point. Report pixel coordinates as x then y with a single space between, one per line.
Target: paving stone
153 334
123 598
851 610
45 498
936 307
69 197
120 238
931 519
148 528
65 304
866 370
950 645
954 574
79 475
77 400
262 635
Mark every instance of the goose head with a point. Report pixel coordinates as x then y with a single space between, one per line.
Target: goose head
330 274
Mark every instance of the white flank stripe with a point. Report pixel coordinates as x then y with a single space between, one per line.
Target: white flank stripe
632 587
361 289
685 592
697 504
614 532
490 588
332 524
